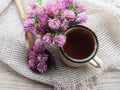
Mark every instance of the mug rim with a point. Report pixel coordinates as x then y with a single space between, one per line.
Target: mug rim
91 56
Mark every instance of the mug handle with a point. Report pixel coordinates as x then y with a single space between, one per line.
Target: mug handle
96 62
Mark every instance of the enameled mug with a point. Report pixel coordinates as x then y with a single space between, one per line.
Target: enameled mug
91 59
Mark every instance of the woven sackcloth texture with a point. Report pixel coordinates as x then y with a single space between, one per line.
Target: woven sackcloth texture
103 19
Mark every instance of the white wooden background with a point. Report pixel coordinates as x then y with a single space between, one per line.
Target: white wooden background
10 80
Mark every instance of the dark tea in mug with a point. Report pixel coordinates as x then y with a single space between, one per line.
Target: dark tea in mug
80 43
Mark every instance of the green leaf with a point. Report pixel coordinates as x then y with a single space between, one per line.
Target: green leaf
36 20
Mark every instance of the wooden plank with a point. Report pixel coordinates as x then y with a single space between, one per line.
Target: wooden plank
10 80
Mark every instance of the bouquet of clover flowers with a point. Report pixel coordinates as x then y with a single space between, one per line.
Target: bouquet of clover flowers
50 21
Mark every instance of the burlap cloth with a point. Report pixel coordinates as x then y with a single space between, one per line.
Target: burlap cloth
104 20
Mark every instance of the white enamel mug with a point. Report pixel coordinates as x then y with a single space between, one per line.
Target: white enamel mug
91 59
